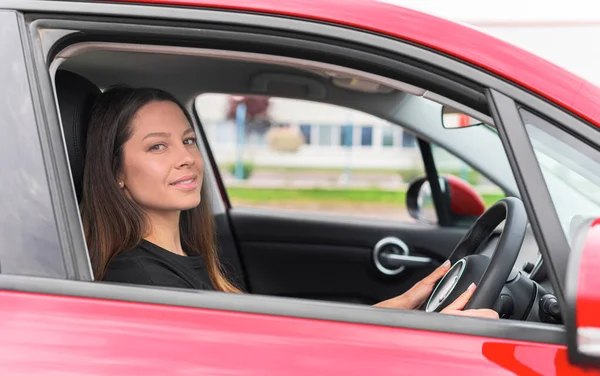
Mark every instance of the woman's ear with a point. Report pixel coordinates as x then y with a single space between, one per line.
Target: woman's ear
121 180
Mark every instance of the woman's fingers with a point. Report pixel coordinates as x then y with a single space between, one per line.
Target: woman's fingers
421 291
415 297
456 307
481 313
437 274
462 300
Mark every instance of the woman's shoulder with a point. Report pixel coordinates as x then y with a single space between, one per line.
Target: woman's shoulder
144 266
130 266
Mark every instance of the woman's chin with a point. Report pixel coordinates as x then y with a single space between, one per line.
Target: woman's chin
189 204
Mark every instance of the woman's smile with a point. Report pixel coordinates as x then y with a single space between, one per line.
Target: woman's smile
186 183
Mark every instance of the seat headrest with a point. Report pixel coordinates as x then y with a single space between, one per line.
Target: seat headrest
76 97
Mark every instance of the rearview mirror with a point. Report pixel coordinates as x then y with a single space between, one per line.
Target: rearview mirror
453 118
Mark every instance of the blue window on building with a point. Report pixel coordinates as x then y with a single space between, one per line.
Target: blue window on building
325 137
366 136
408 140
387 136
346 135
305 130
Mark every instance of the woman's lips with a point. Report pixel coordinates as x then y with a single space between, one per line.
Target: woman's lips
186 183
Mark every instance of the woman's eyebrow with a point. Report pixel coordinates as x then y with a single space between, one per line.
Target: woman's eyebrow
189 130
156 134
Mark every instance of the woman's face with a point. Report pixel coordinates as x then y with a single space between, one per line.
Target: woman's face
162 167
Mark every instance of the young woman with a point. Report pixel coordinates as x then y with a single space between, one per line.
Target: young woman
144 207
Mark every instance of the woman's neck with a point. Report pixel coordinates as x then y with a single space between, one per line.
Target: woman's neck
164 231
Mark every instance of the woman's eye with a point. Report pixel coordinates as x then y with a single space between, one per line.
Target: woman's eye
190 141
156 147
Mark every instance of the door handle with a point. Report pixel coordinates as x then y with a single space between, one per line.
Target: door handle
396 260
392 256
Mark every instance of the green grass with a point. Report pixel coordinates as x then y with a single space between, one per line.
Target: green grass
326 169
473 177
341 196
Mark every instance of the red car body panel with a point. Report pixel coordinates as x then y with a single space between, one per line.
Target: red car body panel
69 335
464 199
463 42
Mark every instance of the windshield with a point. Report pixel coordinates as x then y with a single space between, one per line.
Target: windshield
570 168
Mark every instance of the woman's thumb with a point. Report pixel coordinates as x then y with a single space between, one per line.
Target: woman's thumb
462 300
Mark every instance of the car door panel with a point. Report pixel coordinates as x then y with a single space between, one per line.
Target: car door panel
329 257
112 337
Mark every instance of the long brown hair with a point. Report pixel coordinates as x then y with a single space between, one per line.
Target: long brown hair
112 222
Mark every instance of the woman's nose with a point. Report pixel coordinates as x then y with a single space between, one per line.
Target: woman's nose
185 157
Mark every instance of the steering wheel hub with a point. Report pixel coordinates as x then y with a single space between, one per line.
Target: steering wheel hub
446 286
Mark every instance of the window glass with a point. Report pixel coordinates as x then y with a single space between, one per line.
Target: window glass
316 157
366 136
347 135
29 243
448 164
408 140
306 129
387 137
570 168
325 136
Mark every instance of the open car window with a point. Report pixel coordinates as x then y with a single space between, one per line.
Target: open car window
283 153
308 156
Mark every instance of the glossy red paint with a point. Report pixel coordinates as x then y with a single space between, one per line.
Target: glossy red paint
461 41
588 283
46 334
464 199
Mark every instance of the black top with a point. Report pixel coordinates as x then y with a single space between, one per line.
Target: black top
149 264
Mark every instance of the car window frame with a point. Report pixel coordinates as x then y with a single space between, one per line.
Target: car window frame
97 11
48 237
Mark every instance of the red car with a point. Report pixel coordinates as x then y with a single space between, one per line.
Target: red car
310 278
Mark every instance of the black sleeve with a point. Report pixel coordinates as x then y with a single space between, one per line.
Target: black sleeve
142 271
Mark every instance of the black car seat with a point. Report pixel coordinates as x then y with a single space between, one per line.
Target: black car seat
76 97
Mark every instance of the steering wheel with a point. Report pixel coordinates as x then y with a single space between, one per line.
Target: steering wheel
489 274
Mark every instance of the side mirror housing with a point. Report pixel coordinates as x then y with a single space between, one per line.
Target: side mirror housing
463 202
582 294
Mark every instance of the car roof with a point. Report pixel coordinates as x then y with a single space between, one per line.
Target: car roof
464 42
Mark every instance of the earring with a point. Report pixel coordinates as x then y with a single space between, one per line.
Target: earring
121 184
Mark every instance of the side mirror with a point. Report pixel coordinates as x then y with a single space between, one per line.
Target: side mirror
582 294
463 202
453 118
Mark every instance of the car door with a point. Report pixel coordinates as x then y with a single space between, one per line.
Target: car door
319 221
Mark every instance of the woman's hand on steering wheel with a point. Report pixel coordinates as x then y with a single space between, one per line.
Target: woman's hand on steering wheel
418 294
456 307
